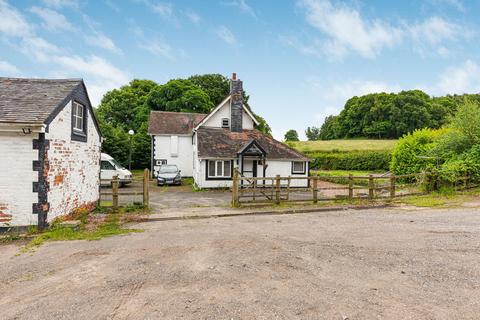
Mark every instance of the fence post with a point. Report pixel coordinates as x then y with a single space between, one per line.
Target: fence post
315 189
115 193
371 191
277 189
146 179
350 186
235 199
392 186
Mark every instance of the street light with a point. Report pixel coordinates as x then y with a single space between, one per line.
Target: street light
131 133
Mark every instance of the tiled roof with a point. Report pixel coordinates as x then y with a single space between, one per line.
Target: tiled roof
222 143
162 122
32 100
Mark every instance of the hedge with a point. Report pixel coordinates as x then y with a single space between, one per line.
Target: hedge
356 160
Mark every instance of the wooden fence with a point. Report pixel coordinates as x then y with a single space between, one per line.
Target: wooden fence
317 188
114 191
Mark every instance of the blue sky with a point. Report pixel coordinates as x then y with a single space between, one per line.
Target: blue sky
299 60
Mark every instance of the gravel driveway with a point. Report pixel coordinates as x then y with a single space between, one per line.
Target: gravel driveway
387 264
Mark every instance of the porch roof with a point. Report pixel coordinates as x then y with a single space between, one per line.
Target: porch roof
222 143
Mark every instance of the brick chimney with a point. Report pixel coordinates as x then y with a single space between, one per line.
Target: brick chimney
236 104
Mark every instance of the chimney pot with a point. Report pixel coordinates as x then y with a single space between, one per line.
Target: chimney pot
234 76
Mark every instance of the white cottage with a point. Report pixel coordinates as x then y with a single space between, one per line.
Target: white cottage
208 146
50 150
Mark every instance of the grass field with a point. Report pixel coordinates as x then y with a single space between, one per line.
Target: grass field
343 145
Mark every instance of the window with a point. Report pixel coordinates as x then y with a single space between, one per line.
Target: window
79 122
225 123
106 165
219 169
298 167
174 146
78 116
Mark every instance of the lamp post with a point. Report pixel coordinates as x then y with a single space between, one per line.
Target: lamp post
131 133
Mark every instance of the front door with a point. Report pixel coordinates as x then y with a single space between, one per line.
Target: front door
255 167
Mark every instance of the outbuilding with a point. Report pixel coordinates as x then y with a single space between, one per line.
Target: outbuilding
50 150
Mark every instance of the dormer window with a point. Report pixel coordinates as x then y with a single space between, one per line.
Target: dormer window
225 123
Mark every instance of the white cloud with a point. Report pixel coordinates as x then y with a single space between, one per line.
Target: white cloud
243 6
12 22
193 16
61 3
102 76
347 30
164 9
226 35
457 4
460 79
435 30
8 69
52 20
158 47
100 40
38 47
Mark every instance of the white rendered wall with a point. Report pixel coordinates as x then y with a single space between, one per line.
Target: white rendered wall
163 148
16 178
215 120
284 169
203 183
74 170
247 122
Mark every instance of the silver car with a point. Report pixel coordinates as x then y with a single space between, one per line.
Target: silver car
169 174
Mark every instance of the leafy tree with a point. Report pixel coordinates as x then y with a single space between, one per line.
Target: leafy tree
216 86
179 96
291 135
329 129
312 133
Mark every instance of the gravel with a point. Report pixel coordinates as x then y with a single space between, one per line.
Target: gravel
366 264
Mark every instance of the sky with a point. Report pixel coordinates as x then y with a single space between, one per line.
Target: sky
299 60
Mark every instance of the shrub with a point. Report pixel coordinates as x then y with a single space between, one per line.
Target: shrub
357 160
411 151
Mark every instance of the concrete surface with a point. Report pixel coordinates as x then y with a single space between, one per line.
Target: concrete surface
367 264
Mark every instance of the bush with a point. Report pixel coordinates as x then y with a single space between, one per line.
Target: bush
357 160
410 150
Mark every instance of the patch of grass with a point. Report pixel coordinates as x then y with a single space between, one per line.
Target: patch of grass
111 226
344 145
444 198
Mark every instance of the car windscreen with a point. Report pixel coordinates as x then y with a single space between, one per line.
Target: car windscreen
117 164
168 169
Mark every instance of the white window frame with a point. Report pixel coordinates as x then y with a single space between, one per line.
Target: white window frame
76 118
304 167
219 169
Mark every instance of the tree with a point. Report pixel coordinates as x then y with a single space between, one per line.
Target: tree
216 86
291 135
179 95
312 133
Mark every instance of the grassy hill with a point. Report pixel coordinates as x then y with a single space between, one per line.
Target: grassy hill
367 155
343 145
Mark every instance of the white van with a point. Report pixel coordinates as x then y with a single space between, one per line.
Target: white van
109 168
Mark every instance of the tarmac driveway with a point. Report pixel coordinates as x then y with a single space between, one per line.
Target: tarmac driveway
366 264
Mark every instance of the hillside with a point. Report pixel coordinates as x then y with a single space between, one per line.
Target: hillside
343 145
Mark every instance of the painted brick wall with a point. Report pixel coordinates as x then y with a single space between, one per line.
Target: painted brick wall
16 177
73 174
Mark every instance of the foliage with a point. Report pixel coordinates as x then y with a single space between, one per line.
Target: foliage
312 133
291 135
412 152
390 115
129 108
357 160
341 176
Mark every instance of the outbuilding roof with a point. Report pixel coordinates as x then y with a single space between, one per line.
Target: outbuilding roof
222 143
33 100
164 122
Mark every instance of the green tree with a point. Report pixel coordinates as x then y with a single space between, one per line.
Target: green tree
291 135
216 86
179 95
312 133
